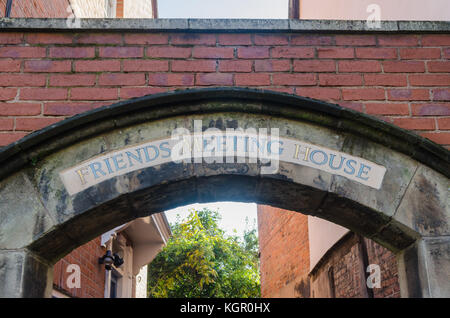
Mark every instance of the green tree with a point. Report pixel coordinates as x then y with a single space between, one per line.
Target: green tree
201 261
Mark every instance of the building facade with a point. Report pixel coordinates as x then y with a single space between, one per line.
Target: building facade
138 9
329 262
402 78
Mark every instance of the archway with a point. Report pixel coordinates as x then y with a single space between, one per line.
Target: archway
69 182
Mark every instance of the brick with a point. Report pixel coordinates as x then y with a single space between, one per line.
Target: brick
408 94
359 66
131 92
8 93
21 52
118 79
430 109
272 65
214 79
292 52
398 40
356 40
72 80
249 79
376 53
146 39
387 109
322 93
32 124
11 38
20 109
288 90
21 80
415 123
49 38
8 138
68 108
420 53
240 66
93 93
429 80
446 53
340 79
435 40
404 66
335 53
441 94
168 52
253 52
363 94
164 79
43 93
6 124
10 65
235 39
312 39
72 52
442 138
97 66
99 38
213 52
121 52
294 79
193 39
47 66
438 66
194 66
443 123
271 39
314 66
141 65
385 79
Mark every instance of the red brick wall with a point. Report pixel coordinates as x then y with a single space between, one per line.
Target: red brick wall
284 260
45 77
404 79
377 254
284 252
92 273
36 8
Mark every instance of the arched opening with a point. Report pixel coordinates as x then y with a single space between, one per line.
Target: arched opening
399 201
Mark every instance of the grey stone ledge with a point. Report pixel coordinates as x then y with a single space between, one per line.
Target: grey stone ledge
220 25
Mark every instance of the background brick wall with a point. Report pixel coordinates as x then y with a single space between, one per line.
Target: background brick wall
92 273
387 260
45 77
284 252
37 8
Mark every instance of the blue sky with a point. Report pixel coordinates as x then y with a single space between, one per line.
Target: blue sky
245 9
233 215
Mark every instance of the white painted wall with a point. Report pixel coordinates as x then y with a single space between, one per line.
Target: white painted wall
434 10
138 9
322 236
141 283
89 8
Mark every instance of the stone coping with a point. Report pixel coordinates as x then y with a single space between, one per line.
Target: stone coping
221 25
61 134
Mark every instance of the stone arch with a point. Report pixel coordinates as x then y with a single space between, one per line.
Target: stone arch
43 217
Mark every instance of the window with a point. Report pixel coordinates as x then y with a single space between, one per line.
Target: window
113 286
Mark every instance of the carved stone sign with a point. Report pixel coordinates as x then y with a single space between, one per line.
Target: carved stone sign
213 147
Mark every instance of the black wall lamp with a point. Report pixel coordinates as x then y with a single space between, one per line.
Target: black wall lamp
110 259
